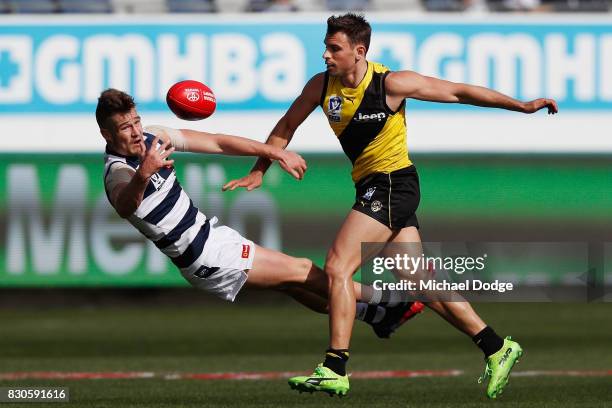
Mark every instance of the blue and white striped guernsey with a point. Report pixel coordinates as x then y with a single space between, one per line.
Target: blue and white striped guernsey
166 215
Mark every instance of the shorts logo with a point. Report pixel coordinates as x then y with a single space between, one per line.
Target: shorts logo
368 195
376 206
246 249
205 271
334 108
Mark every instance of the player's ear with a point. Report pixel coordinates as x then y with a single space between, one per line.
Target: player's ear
360 51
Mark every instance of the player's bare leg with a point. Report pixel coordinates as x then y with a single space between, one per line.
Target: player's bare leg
297 277
309 299
342 261
460 314
500 354
275 270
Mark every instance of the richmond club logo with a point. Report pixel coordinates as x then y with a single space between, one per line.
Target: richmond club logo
376 206
334 108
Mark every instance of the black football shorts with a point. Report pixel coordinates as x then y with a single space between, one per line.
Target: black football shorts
390 198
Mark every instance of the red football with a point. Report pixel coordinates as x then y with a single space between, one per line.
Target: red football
191 100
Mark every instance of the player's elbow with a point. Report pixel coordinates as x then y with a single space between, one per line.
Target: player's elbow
124 210
124 213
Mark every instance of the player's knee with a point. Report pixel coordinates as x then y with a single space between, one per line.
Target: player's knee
336 268
300 270
303 267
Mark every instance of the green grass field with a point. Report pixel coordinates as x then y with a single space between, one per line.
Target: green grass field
251 337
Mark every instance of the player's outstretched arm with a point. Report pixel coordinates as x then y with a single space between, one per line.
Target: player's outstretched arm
408 84
203 142
283 132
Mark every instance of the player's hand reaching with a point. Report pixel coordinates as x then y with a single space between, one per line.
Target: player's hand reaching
154 159
292 163
537 104
251 181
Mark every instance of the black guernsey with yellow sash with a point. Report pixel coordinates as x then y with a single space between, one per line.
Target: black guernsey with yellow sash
374 138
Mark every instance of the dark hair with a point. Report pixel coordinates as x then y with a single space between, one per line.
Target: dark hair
110 102
355 26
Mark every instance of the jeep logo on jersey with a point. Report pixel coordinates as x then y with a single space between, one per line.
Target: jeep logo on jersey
370 118
334 107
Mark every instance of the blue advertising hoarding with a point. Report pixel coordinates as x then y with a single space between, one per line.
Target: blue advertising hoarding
61 66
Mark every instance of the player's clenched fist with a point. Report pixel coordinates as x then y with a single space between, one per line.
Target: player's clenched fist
153 159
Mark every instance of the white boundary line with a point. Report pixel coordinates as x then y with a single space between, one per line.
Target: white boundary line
275 375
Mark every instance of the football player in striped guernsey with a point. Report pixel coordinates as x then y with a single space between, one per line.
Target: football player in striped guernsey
141 184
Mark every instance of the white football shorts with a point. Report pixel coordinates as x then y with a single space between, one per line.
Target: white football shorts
221 267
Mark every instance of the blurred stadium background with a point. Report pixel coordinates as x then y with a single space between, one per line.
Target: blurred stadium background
81 292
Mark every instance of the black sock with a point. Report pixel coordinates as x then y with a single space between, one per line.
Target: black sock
335 360
488 341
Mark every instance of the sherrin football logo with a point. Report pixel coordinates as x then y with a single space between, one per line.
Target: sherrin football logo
193 96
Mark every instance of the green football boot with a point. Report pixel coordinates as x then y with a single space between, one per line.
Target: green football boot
323 379
499 366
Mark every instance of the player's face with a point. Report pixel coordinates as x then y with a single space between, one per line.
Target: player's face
125 135
340 55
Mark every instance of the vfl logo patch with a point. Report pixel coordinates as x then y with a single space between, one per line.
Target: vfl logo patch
334 108
246 249
158 181
368 195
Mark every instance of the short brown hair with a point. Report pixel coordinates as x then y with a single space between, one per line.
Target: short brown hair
110 102
355 26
